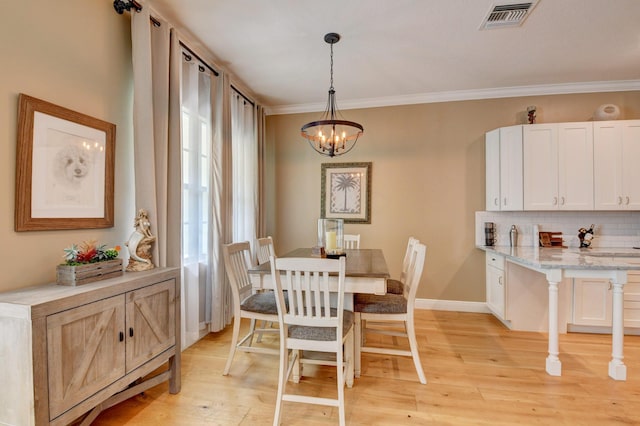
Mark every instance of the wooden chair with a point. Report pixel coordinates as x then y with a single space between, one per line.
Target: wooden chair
396 286
264 250
389 309
351 241
246 303
308 323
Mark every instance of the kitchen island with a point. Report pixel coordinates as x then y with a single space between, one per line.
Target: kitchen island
559 263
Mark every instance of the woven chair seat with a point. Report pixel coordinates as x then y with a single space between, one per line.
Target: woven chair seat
325 334
380 303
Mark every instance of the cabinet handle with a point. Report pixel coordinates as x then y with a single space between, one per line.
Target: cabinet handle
627 197
555 201
130 331
619 200
495 201
505 201
121 336
562 201
500 280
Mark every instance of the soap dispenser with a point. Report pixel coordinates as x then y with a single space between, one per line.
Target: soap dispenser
513 236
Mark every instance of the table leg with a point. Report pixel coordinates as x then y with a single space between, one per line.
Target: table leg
554 366
617 369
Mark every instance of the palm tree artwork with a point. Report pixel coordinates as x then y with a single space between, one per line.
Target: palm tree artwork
349 185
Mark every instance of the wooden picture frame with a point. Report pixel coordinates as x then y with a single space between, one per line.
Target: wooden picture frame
64 168
346 192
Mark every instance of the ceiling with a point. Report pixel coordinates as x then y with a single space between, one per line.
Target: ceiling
412 51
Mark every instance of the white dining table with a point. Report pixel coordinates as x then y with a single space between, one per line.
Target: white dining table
366 272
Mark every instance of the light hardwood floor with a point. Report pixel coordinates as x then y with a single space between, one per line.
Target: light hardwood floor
478 373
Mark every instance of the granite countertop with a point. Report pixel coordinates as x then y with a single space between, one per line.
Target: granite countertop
604 258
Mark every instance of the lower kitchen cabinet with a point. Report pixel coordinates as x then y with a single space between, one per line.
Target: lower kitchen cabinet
496 285
77 348
592 302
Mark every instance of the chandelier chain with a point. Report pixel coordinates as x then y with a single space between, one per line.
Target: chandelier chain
331 85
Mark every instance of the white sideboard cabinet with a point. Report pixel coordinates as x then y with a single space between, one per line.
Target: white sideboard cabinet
503 161
69 352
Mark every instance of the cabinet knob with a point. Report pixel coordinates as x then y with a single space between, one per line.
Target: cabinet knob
130 331
121 336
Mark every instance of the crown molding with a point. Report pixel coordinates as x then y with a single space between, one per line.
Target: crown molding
465 95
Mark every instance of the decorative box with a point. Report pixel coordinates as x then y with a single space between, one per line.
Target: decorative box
88 272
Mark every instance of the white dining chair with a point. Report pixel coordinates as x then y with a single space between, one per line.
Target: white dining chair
351 241
309 323
264 250
396 286
247 304
373 309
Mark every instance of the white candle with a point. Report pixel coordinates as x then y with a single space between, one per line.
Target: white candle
330 240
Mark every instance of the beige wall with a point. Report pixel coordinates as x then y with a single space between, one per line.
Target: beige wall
76 54
428 179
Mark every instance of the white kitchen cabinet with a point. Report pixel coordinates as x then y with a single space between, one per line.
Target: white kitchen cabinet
503 155
558 166
616 171
592 302
496 285
78 349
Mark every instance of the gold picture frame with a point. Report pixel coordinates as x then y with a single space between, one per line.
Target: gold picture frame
346 192
64 168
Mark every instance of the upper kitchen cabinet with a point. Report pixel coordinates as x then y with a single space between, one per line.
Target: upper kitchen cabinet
503 151
558 166
616 171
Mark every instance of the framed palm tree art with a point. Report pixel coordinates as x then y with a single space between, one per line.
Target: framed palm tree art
346 192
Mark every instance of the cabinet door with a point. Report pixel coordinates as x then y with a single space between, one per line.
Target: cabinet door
630 160
492 170
540 163
607 165
591 302
85 350
495 285
150 322
511 168
575 166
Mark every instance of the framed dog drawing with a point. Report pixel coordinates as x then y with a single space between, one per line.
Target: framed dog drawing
64 168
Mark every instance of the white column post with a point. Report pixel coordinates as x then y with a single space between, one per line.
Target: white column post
617 369
553 366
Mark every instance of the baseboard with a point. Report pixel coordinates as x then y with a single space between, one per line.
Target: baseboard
452 305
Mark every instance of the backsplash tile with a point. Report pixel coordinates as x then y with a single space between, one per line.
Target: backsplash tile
612 229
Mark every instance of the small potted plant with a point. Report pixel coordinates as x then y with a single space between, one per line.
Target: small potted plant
87 263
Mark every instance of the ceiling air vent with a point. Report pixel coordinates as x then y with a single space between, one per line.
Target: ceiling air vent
507 15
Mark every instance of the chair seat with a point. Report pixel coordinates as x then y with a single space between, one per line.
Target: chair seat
394 286
262 303
324 334
380 303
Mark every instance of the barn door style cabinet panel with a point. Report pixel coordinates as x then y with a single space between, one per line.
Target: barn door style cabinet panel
73 351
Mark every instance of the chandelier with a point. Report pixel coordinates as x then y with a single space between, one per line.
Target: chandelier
330 135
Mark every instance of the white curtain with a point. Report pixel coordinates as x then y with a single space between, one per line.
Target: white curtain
198 93
245 168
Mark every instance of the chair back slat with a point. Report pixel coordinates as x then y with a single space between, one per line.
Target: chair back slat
264 250
414 272
237 260
351 241
308 285
407 258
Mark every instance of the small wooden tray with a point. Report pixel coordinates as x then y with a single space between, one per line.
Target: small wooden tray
551 239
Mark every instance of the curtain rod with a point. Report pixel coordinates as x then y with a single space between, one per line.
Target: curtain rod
184 46
120 6
241 94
